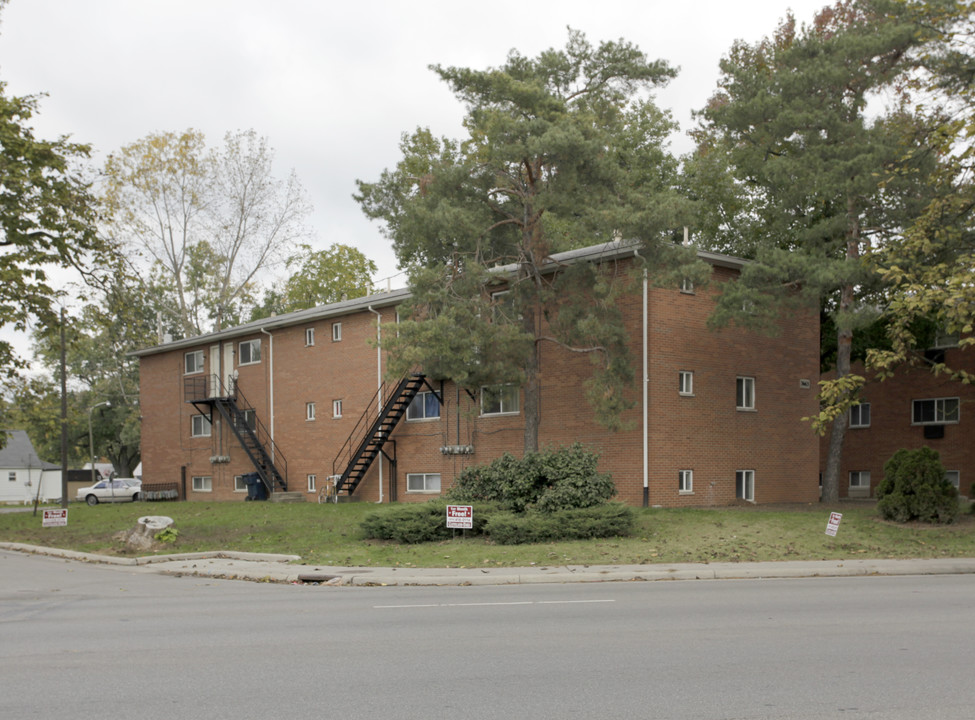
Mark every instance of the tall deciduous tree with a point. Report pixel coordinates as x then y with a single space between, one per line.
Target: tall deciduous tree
930 268
47 219
562 151
819 177
319 277
221 213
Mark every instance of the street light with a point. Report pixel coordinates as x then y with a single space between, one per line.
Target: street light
91 441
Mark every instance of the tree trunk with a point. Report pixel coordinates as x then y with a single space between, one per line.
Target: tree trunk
844 354
532 390
831 477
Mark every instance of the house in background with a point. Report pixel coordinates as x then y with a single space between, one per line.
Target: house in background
299 399
23 475
912 409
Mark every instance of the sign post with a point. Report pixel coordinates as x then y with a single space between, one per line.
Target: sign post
834 523
460 516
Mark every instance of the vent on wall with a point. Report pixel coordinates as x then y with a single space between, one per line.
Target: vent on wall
805 384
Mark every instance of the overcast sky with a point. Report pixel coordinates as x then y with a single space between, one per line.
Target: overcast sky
332 85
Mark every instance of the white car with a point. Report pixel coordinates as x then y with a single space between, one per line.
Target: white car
109 491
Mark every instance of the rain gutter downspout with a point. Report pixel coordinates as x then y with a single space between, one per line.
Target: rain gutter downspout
646 385
270 365
379 383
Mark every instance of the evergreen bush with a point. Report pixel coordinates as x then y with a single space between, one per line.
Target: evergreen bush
548 481
915 488
600 521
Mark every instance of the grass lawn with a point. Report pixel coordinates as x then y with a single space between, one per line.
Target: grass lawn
330 535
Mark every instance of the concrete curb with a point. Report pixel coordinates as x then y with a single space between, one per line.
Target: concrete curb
258 567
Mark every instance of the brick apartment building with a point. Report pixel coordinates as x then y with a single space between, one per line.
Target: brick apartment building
716 416
912 409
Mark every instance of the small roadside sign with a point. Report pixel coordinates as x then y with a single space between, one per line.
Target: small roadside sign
55 518
460 516
834 523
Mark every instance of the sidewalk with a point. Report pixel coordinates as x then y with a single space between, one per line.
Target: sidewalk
285 569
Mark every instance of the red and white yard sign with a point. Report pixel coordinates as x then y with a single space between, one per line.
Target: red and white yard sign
55 518
834 524
460 516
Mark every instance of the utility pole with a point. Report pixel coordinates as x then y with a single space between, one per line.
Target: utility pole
64 420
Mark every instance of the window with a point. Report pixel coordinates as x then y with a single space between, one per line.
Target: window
944 340
336 332
309 411
860 415
745 485
200 426
685 382
309 337
423 482
935 411
685 481
336 408
239 484
12 476
687 286
954 477
193 362
203 484
745 393
249 418
425 406
250 352
312 481
499 399
860 479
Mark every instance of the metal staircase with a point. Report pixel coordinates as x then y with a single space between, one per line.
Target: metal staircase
372 432
207 393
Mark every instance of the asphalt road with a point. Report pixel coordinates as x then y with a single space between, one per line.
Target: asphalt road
92 641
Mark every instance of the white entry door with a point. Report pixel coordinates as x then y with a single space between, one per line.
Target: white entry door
222 377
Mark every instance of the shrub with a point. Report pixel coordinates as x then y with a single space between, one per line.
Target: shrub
914 488
606 520
420 522
551 480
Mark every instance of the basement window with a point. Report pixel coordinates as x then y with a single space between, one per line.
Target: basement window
423 482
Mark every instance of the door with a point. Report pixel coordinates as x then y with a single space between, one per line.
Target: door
222 374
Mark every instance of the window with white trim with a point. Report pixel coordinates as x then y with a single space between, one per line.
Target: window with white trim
424 406
239 484
860 415
336 408
745 485
309 337
860 479
500 399
954 477
745 393
336 331
312 482
687 286
200 426
309 411
685 382
934 411
249 352
202 483
944 340
423 482
249 418
685 481
12 476
193 362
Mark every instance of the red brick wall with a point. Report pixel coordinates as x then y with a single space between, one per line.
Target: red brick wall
867 449
703 433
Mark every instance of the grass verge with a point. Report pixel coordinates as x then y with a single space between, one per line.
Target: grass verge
330 535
